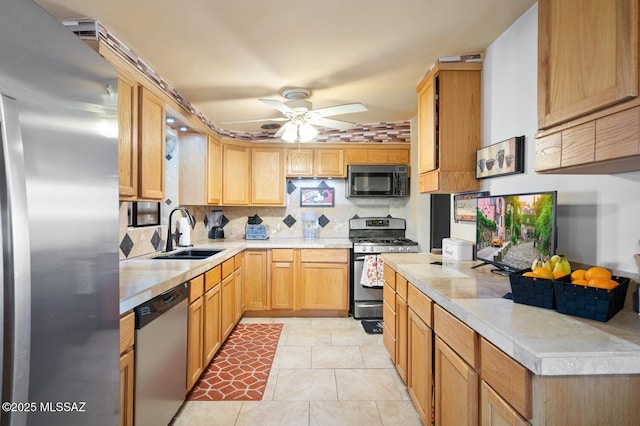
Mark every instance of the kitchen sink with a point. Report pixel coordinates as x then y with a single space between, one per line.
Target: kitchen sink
191 254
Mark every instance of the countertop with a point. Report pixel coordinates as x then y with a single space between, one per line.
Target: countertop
544 341
143 278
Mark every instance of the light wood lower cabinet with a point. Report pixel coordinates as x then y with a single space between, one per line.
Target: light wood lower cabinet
227 315
495 411
304 281
419 373
238 262
402 337
254 285
212 334
283 278
195 331
322 286
195 323
127 356
456 388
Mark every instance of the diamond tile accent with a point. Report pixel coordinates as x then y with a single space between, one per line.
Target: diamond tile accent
206 221
355 216
126 245
225 220
291 187
323 185
323 221
168 157
156 240
168 201
289 221
256 220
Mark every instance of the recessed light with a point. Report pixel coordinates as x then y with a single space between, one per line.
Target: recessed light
270 126
183 128
171 120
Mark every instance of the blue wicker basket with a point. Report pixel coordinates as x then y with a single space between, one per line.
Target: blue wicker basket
590 302
532 291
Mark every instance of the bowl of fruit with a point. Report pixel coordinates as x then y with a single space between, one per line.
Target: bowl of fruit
534 286
592 293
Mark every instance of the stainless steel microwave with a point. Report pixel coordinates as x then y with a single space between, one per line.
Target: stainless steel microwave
377 181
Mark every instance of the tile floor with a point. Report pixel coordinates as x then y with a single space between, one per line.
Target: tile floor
326 371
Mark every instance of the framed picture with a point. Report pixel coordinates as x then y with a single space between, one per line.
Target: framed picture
317 197
502 158
465 205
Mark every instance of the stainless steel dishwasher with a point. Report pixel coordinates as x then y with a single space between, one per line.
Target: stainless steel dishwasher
161 357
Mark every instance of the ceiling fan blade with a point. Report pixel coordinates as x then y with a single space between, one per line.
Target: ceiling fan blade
331 123
340 109
256 121
280 106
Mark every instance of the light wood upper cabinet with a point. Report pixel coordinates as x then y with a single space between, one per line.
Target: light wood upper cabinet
449 123
236 174
329 162
376 156
151 141
214 171
127 136
267 177
587 56
300 162
320 162
588 108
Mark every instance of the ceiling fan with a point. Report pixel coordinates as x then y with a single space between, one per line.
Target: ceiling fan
301 118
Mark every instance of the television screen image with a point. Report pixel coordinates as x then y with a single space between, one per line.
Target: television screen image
514 230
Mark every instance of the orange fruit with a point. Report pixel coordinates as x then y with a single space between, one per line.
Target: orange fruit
558 274
530 274
578 274
605 283
597 272
543 273
579 282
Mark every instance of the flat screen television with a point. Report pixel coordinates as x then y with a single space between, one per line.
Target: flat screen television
513 230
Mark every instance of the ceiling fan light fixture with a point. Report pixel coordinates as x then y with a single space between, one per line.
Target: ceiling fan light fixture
291 132
307 132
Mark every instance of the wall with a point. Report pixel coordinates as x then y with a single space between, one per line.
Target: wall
597 214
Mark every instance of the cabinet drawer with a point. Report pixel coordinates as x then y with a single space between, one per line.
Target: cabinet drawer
401 286
508 378
389 296
227 267
212 277
390 276
324 255
421 304
457 335
196 288
237 260
127 334
282 255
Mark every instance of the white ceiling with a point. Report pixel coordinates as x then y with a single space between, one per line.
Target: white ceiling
223 55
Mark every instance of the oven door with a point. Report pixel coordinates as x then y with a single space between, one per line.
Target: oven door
367 301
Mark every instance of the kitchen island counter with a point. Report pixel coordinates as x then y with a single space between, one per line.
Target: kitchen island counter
143 278
544 341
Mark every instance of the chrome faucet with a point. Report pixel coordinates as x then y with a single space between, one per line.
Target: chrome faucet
170 235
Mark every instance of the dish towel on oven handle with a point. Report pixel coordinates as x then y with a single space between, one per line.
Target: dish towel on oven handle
372 271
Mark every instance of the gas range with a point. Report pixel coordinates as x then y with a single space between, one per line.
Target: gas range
380 235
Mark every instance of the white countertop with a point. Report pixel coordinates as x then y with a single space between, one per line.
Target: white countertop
543 340
143 278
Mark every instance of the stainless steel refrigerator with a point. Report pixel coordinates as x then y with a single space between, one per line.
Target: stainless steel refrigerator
59 225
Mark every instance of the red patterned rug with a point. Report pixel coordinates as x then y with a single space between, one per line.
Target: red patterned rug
240 369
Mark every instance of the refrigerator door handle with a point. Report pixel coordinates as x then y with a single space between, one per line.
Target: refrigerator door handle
15 280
